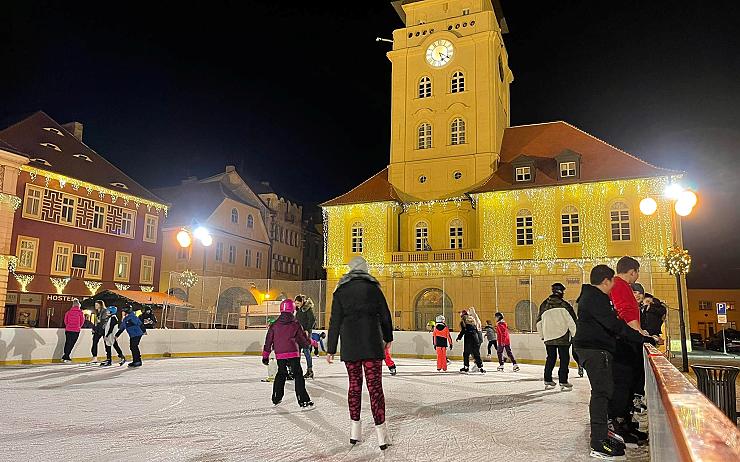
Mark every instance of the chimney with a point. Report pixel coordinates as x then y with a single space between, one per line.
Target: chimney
74 128
230 169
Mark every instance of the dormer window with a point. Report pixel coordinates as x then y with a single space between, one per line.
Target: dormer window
118 184
523 174
569 165
41 161
54 130
83 157
567 169
51 146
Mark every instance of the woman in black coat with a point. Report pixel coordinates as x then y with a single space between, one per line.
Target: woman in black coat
360 316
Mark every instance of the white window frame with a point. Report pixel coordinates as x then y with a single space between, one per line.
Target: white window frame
568 169
258 260
234 216
33 251
457 83
232 254
620 221
357 235
128 216
99 214
457 234
151 225
705 305
62 253
421 236
424 136
89 273
523 173
570 226
250 221
122 258
248 258
425 87
143 266
457 131
32 202
524 228
70 207
219 251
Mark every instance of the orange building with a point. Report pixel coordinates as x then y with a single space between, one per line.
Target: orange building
703 310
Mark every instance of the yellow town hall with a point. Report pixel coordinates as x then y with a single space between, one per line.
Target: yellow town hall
474 212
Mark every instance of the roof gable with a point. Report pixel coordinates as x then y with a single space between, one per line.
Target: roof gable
377 188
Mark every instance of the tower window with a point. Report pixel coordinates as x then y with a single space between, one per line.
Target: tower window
422 236
466 11
456 234
571 226
425 136
619 216
457 175
524 229
250 221
523 174
500 68
357 235
567 169
458 82
422 179
457 131
425 87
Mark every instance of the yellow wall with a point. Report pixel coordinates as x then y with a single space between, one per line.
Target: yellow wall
709 317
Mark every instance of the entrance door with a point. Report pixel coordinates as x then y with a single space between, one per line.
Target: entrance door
429 304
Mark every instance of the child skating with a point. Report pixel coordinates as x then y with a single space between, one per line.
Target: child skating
317 339
490 332
471 334
504 343
287 338
441 339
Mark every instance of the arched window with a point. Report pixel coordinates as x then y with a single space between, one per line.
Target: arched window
458 82
524 232
357 235
457 131
570 225
421 236
456 234
234 216
250 221
525 314
425 136
620 221
425 87
429 304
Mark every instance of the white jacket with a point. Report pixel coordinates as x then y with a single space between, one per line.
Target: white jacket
556 320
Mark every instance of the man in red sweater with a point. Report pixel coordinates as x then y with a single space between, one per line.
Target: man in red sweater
628 368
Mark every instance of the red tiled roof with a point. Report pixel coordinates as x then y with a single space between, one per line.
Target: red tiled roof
374 189
544 142
27 135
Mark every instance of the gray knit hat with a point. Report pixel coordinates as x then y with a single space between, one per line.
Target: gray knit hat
358 264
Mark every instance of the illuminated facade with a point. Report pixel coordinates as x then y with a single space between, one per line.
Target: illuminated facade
474 212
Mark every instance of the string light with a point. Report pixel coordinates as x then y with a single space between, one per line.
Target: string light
11 200
60 284
8 261
147 288
120 286
188 279
23 280
677 261
93 286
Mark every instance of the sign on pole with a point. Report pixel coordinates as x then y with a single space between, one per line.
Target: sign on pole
721 319
721 313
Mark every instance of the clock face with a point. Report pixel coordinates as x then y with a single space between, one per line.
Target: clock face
439 53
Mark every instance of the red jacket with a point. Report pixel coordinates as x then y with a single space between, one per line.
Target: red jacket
624 301
502 332
74 319
285 336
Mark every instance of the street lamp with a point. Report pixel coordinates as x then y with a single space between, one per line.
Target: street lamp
202 235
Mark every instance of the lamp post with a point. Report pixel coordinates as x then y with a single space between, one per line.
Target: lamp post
677 263
185 239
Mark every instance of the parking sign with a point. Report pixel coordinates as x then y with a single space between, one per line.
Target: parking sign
721 309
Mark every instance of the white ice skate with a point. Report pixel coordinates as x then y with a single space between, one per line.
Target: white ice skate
549 385
500 368
384 437
516 368
566 386
355 432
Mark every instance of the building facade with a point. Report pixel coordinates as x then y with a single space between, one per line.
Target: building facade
83 225
313 247
286 231
703 310
473 212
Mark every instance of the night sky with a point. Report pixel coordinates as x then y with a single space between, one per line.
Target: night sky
298 93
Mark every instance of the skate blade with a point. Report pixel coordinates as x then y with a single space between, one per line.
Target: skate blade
598 455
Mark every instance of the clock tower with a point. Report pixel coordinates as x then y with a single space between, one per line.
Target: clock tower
450 96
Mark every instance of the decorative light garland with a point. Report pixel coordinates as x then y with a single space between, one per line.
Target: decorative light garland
90 187
120 286
8 261
677 261
13 201
60 284
23 280
188 279
374 218
147 288
93 286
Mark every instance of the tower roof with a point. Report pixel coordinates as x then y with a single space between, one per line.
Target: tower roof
497 8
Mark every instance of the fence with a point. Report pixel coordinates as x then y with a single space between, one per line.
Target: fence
235 303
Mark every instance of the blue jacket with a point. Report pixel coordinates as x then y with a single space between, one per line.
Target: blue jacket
132 325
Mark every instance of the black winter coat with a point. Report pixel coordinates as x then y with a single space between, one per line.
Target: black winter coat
360 316
306 319
598 325
651 319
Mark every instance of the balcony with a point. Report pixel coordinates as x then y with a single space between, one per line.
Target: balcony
434 256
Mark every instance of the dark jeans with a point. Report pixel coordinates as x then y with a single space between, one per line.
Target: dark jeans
623 371
108 351
500 351
476 357
492 343
598 365
307 354
278 386
134 345
70 338
553 352
95 341
639 383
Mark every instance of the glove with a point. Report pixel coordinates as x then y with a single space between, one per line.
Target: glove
266 361
450 347
649 340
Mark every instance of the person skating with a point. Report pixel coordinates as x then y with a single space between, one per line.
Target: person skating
110 323
490 332
556 324
441 339
360 316
504 343
318 337
148 320
597 330
287 338
307 320
73 321
98 330
471 345
132 325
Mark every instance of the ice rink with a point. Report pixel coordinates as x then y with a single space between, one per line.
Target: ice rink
217 409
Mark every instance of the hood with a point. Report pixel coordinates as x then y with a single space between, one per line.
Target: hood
440 327
355 274
502 322
285 318
588 290
75 308
308 305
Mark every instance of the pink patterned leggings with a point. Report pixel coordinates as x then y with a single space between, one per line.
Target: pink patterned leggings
374 376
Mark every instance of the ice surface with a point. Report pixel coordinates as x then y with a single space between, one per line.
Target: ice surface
217 409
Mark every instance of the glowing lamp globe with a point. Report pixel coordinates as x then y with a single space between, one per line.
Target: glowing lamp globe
673 191
648 206
183 238
200 233
206 240
683 208
688 197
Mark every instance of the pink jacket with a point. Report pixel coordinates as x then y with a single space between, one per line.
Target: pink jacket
286 337
74 319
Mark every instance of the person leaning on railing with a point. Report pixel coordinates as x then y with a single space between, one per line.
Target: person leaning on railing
595 342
